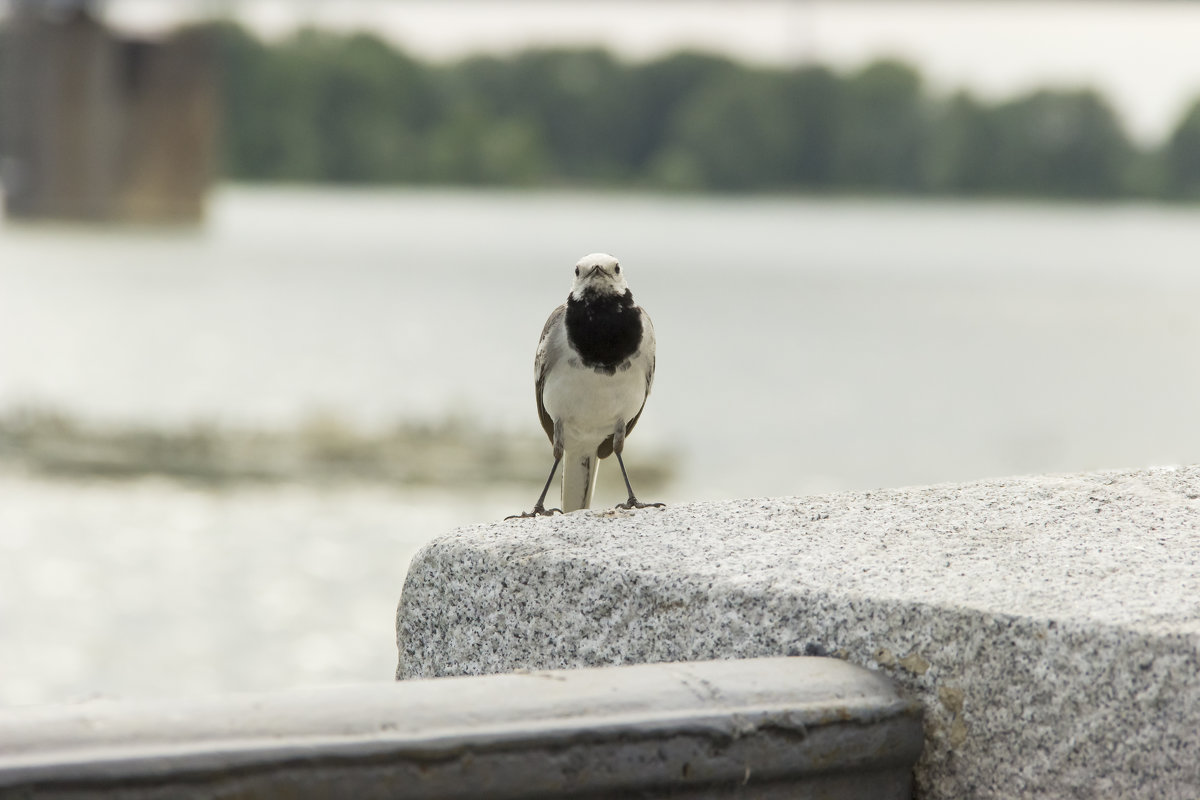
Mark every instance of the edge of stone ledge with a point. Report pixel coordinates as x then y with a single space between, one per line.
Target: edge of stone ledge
683 728
1043 698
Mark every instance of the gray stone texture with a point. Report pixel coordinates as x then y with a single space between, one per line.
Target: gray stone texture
1049 625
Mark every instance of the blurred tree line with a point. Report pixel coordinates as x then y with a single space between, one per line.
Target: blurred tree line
320 106
350 108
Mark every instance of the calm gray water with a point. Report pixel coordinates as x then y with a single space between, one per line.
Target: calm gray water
804 346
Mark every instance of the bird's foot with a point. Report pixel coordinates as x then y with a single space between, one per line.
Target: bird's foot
538 511
633 502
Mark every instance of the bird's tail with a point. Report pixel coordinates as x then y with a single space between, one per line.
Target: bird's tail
579 479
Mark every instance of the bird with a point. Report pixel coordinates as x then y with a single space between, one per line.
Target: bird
593 371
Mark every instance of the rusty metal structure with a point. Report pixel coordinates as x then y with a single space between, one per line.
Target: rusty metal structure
99 127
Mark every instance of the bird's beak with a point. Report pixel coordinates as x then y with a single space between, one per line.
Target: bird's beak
596 269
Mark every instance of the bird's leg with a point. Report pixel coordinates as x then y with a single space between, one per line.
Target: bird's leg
540 510
632 502
618 446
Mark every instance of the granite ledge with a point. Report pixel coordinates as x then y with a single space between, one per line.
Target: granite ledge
1050 625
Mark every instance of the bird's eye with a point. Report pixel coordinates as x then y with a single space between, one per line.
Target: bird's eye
577 272
617 269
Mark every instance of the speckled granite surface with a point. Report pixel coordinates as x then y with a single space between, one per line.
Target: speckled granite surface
1050 625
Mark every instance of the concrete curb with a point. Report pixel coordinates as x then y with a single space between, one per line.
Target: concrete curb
1049 625
785 727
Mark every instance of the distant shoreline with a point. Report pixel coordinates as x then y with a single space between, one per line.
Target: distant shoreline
351 108
322 449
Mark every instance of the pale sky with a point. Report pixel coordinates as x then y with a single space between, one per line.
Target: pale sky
1145 56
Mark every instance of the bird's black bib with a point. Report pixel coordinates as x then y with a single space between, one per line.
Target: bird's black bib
605 329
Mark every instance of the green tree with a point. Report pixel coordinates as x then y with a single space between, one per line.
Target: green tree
656 90
1181 156
960 158
814 96
246 130
320 106
576 101
730 134
582 110
1060 143
750 129
883 129
372 105
329 107
3 90
469 147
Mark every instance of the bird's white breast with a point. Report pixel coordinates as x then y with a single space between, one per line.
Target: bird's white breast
591 404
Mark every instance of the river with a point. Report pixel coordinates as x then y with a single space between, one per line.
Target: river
804 345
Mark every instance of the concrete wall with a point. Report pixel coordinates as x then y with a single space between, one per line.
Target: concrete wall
1049 625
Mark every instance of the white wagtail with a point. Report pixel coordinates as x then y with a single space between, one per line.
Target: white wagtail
592 374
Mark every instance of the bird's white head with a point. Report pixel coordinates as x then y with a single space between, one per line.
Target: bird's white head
599 273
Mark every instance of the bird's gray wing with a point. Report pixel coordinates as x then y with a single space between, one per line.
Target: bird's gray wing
648 347
549 352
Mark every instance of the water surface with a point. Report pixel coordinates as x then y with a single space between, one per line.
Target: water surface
805 345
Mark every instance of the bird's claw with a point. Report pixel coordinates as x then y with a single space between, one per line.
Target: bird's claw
538 511
633 502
